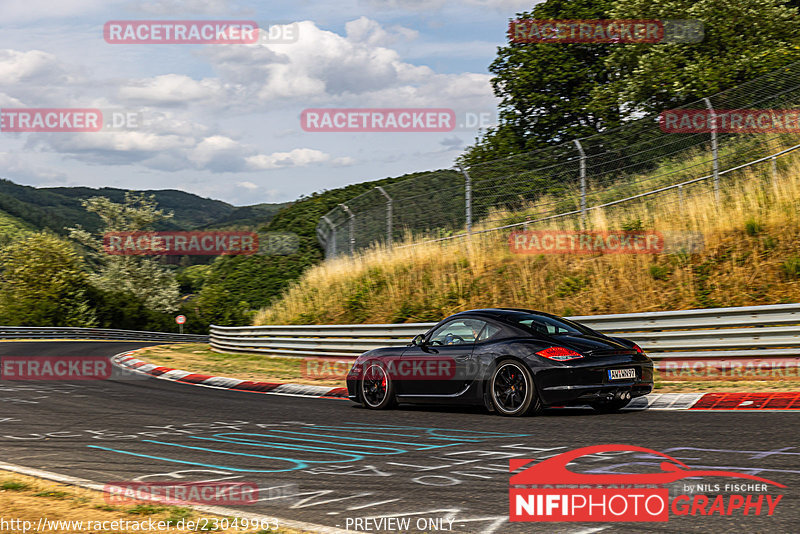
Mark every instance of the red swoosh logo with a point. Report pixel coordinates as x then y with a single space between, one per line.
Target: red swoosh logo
554 470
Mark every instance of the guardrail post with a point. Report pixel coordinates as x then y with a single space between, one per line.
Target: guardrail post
583 177
680 197
352 229
467 198
388 215
714 147
333 235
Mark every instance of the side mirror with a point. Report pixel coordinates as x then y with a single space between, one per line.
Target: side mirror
419 340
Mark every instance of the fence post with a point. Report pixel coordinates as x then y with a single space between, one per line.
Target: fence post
333 235
583 177
714 147
388 215
467 198
352 229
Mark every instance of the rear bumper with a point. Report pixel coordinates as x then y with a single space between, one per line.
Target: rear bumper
590 382
584 394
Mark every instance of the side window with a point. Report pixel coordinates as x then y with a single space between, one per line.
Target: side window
457 332
542 325
488 331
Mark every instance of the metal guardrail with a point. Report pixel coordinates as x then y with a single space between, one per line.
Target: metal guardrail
749 331
35 332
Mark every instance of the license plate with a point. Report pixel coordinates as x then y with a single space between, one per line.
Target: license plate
619 374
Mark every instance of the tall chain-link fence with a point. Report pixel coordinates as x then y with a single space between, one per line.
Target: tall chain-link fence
632 162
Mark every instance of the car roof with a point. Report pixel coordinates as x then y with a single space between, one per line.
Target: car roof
500 312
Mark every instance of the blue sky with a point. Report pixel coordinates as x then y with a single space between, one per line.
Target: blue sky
223 121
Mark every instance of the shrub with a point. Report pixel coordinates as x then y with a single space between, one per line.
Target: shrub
791 267
659 272
752 227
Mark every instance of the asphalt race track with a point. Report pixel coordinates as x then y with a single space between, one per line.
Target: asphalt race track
327 461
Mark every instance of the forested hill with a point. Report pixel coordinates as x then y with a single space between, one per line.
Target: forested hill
55 208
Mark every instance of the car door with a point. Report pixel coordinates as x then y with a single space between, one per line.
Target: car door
441 366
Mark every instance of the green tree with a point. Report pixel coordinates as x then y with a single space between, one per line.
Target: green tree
551 93
43 283
143 277
743 40
546 89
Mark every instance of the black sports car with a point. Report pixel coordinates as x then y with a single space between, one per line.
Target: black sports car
515 362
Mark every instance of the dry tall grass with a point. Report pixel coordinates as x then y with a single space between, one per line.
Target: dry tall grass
751 256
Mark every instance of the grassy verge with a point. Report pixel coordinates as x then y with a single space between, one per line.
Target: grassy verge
198 358
751 256
27 498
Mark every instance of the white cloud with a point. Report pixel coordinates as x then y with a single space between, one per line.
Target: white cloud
31 66
28 10
18 166
370 32
168 151
345 161
7 101
435 5
182 7
236 108
299 157
323 66
170 89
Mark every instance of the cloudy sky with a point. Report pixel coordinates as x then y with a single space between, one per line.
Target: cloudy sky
223 121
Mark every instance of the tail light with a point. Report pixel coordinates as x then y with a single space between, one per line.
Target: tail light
638 349
560 354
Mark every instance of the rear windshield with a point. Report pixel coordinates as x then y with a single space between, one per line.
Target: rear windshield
545 325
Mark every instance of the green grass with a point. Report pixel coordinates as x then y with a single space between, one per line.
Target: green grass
11 485
52 494
146 509
791 267
752 227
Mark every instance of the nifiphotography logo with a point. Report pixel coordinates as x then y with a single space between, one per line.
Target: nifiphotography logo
549 491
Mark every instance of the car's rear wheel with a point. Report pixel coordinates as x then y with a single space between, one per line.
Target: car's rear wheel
512 391
377 390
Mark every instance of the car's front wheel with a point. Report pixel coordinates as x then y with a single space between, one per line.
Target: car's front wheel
512 390
377 391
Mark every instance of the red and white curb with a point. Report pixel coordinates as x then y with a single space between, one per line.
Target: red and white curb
126 359
777 401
